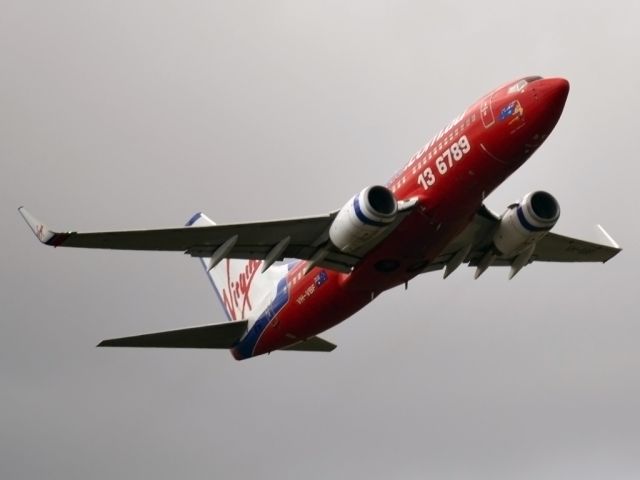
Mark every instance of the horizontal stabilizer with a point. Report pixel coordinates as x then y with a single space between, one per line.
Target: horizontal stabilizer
313 344
217 335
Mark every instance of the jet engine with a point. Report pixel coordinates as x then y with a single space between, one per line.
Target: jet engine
524 223
363 217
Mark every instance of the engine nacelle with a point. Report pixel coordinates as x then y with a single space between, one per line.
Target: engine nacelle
363 217
524 223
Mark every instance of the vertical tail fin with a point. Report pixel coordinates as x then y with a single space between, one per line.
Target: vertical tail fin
242 290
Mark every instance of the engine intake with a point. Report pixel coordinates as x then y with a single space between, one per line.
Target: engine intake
526 222
363 217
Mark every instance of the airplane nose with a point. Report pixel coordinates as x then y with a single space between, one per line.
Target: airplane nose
530 120
547 102
553 91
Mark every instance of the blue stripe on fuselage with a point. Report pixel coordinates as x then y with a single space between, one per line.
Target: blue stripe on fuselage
247 345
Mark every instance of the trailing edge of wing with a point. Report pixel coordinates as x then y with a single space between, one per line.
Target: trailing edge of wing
218 335
313 344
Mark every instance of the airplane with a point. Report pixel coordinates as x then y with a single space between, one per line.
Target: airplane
281 283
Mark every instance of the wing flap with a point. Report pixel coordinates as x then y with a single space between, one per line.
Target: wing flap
218 335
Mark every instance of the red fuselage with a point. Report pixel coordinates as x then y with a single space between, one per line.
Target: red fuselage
450 177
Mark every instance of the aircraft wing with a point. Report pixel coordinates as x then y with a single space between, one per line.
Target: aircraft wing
476 241
300 238
559 248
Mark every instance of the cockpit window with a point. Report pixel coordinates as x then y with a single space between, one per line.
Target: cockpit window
520 84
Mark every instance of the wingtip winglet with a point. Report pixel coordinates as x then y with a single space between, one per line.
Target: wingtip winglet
612 243
608 237
39 229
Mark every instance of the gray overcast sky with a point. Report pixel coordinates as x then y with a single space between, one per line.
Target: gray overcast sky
136 114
